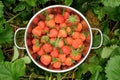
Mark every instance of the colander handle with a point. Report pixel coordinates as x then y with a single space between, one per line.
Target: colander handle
15 38
101 35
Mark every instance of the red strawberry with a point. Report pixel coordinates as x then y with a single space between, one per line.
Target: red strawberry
29 43
62 57
68 29
56 64
66 15
86 50
54 53
45 59
41 24
45 30
51 16
37 31
84 24
60 43
82 37
57 27
79 27
34 56
53 33
47 47
88 39
63 25
76 35
59 18
50 23
69 40
40 52
35 41
35 48
76 57
62 33
35 20
77 43
66 50
68 61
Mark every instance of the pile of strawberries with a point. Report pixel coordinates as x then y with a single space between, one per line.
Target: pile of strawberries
60 38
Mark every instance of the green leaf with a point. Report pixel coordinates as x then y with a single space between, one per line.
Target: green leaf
1 9
115 52
12 71
59 76
16 54
106 39
1 56
111 3
19 7
99 11
106 52
31 2
93 68
6 34
96 40
42 1
26 59
68 2
112 68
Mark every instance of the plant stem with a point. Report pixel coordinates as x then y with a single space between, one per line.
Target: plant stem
13 17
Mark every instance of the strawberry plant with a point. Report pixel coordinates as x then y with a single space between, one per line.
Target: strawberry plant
101 64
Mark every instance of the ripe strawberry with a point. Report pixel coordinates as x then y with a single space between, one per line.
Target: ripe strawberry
29 43
86 50
50 23
46 59
47 47
57 27
35 41
59 18
41 24
35 20
69 40
82 37
79 27
76 35
66 50
51 16
63 25
34 56
35 48
77 43
54 53
56 64
53 33
37 31
40 52
66 15
76 57
58 10
68 29
62 57
84 24
60 43
68 10
68 61
62 33
45 30
88 39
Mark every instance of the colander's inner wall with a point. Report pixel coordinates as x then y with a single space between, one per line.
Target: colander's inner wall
41 16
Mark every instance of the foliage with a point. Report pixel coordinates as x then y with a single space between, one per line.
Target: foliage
101 64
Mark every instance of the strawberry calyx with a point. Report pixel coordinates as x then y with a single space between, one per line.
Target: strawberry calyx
72 19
